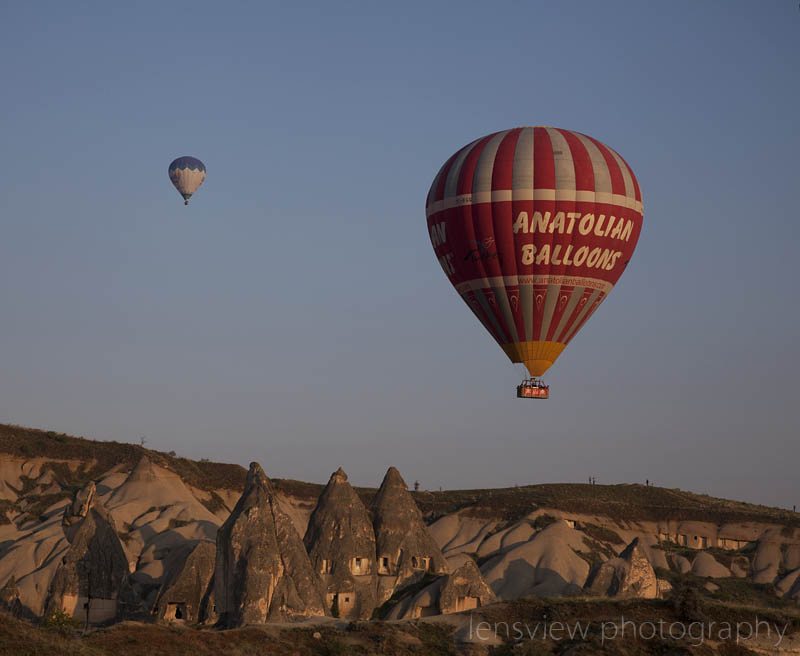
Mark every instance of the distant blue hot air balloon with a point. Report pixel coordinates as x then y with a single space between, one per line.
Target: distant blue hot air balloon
187 174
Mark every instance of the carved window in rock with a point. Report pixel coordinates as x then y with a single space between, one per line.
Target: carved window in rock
383 565
176 611
729 543
426 563
467 603
360 566
325 567
342 604
414 562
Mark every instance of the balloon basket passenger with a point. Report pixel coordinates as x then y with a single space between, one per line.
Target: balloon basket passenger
533 388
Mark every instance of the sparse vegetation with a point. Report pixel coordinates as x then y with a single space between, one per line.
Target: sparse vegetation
37 505
437 638
736 591
686 600
27 485
543 521
725 556
100 456
622 503
61 622
679 550
333 646
592 558
5 508
602 534
214 504
595 553
400 639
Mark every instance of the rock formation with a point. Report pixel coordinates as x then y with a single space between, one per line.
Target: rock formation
546 565
767 561
629 575
60 552
9 592
149 486
681 563
463 589
740 566
140 482
404 547
791 556
186 590
91 573
706 566
262 568
663 589
9 598
76 512
794 592
341 545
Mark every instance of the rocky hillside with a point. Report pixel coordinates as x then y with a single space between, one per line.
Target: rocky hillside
101 532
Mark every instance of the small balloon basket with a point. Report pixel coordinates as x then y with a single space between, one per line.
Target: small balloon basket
532 388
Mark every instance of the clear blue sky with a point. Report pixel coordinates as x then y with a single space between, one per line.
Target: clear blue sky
294 313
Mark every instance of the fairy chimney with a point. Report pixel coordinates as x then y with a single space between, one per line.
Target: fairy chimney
463 589
186 592
88 580
341 544
405 549
262 568
628 575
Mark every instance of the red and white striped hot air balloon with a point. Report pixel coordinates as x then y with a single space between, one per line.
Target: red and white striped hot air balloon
533 227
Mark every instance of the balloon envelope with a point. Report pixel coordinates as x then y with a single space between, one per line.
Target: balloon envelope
187 174
534 226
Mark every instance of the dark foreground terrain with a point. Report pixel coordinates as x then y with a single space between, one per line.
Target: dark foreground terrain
525 627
